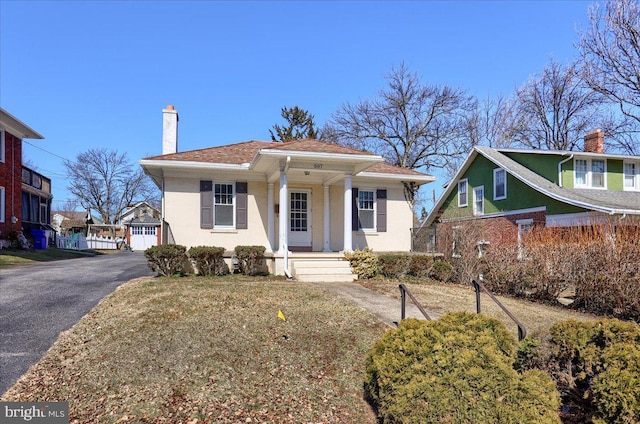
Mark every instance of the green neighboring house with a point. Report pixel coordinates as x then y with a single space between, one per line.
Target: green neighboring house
510 190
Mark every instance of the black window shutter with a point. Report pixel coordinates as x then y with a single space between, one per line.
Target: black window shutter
354 210
381 211
206 204
241 205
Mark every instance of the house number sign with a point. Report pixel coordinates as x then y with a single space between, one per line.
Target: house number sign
317 166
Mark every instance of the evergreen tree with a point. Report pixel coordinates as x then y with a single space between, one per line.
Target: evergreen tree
300 125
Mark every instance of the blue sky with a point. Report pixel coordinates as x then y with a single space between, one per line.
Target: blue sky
98 74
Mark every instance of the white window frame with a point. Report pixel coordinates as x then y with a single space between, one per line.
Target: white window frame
464 204
374 210
233 204
635 176
3 146
483 245
589 174
522 223
2 203
495 184
477 212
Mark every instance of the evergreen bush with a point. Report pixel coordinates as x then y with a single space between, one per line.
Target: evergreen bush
167 259
364 263
596 367
250 259
456 369
208 260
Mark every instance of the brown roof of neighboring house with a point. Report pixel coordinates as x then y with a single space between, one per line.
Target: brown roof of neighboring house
245 152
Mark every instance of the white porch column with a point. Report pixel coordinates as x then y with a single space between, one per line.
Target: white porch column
327 221
284 213
348 243
270 217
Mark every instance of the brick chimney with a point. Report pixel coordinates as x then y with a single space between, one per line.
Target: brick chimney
594 142
169 130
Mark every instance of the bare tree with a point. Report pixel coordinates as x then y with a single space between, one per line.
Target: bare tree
610 52
495 122
557 109
105 180
410 124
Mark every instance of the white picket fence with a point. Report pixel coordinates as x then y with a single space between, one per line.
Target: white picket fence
80 242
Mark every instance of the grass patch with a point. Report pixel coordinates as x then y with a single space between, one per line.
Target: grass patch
448 297
19 257
211 349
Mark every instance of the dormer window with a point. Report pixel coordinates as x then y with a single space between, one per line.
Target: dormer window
632 176
590 173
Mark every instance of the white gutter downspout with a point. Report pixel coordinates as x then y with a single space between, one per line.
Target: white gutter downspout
165 239
560 169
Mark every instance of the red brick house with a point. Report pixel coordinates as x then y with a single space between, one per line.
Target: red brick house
25 195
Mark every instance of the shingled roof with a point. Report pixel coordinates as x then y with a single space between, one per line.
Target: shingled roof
245 152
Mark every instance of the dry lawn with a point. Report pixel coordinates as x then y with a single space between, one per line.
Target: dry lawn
210 350
444 297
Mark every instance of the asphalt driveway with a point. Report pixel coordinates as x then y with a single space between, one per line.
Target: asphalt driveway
38 302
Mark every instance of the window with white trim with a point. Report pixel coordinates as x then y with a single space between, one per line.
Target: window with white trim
137 230
590 173
524 227
367 209
223 205
632 176
2 204
499 184
149 231
462 193
2 146
478 200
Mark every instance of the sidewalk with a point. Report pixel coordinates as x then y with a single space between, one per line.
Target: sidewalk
385 308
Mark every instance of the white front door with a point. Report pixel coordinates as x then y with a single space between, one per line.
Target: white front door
300 218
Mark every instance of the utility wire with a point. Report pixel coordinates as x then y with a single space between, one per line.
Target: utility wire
46 151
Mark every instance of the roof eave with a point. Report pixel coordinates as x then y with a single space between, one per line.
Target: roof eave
16 127
423 179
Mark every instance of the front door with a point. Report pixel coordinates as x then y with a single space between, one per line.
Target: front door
300 218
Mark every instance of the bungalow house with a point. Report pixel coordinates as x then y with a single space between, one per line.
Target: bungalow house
25 194
303 200
510 190
142 226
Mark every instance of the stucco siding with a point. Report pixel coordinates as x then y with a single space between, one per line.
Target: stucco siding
182 212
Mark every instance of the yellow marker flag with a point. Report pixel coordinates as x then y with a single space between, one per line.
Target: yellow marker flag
281 315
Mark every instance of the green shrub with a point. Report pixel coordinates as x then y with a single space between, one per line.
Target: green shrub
456 369
250 259
420 265
208 260
364 263
167 259
441 271
596 367
394 265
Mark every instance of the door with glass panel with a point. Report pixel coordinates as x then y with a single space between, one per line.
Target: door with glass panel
300 218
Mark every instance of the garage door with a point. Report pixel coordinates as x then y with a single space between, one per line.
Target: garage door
143 237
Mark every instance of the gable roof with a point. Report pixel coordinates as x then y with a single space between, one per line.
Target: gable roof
246 154
16 127
607 201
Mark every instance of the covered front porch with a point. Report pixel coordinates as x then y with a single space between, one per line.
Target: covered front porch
315 200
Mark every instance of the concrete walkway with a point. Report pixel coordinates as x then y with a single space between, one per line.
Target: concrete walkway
385 308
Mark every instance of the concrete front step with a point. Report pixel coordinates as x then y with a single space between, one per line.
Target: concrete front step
323 270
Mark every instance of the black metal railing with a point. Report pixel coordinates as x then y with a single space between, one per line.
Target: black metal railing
404 291
522 332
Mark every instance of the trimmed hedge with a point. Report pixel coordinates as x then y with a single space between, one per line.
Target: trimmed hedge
250 259
456 369
167 259
596 367
208 260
